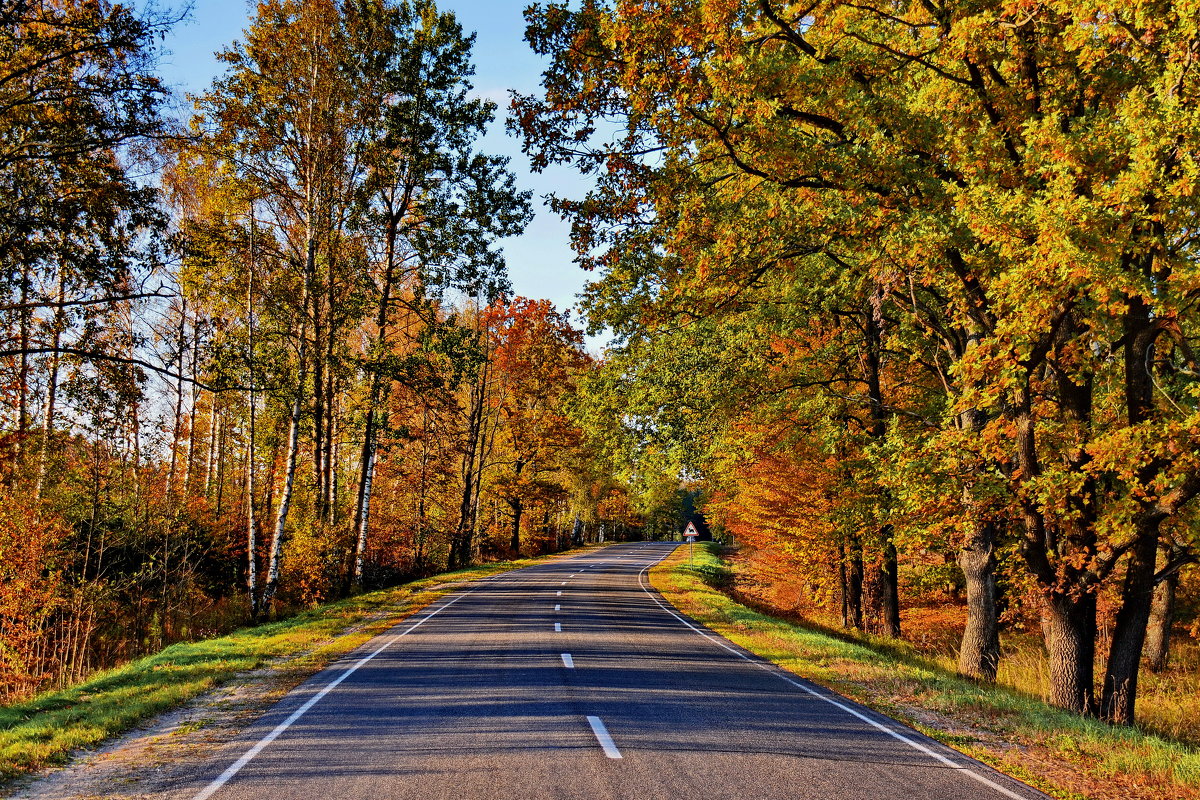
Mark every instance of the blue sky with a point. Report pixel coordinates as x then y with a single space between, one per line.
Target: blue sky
540 260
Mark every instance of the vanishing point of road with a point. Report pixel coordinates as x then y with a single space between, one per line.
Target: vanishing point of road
574 679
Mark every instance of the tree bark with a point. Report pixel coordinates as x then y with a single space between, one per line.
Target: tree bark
1129 631
515 542
251 519
1071 624
51 396
855 573
1158 631
979 653
278 538
889 585
363 512
1119 695
181 348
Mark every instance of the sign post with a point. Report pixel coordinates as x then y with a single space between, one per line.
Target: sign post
690 535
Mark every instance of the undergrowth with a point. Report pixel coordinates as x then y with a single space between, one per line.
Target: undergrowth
46 729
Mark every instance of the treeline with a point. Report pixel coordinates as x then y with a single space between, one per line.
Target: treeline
266 355
908 289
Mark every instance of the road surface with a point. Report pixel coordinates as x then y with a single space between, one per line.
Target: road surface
574 679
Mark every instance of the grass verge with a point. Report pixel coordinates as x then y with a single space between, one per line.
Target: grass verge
45 730
1066 756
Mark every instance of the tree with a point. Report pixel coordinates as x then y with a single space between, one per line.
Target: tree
538 357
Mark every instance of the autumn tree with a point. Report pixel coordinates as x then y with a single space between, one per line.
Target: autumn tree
538 356
989 185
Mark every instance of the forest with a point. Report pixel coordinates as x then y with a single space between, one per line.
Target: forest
902 295
264 355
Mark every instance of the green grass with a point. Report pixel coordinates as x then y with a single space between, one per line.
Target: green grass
1067 756
45 730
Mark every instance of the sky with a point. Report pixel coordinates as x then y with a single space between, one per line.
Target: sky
540 260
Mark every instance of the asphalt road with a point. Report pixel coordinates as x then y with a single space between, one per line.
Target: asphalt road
574 679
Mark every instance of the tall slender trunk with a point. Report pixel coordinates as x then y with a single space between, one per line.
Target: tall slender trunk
460 551
278 538
366 480
23 315
889 572
332 433
326 486
472 462
251 518
181 348
375 406
251 444
422 488
51 394
318 423
212 445
189 459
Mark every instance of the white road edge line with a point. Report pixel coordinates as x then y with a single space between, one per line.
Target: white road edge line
568 662
236 766
776 671
606 741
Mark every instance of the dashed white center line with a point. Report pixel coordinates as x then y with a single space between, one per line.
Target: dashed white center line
568 662
558 627
564 583
606 741
558 593
558 607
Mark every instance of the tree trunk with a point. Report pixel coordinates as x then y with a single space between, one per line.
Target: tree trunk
854 585
23 375
278 539
212 445
1129 631
51 398
222 449
460 549
889 586
1162 616
189 459
181 348
979 654
251 520
515 543
366 480
1071 624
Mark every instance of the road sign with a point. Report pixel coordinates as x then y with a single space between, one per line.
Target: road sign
690 533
